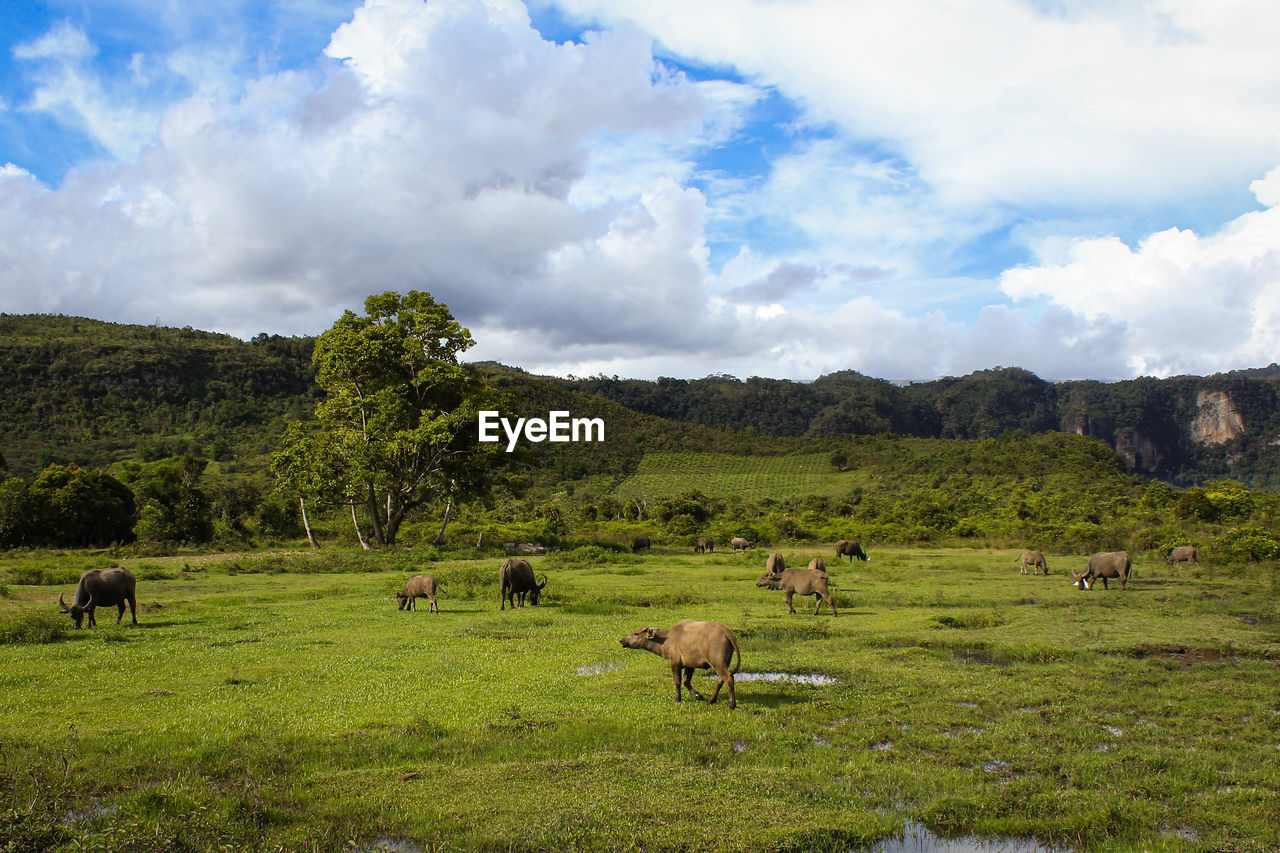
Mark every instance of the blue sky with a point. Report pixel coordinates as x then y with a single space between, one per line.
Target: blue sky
652 187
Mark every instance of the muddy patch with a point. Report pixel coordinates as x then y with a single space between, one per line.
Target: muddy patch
1186 655
916 839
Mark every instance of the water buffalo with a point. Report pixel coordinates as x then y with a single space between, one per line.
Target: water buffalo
689 645
817 564
419 586
1184 554
102 588
704 546
1035 560
740 544
775 565
639 543
801 582
1111 564
851 548
515 578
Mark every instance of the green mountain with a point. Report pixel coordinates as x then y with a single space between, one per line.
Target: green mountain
90 392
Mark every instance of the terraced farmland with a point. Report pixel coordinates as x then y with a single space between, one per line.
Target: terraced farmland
746 477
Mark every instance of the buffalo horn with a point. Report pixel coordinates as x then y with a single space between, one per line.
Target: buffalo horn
544 582
63 604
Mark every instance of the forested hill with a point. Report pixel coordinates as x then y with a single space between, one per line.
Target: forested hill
1184 429
91 392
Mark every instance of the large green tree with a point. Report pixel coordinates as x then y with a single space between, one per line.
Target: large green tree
398 424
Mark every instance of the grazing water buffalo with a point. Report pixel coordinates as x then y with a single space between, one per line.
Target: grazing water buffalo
1111 564
704 546
817 564
737 543
689 645
515 578
775 565
1035 560
1184 554
801 582
419 586
851 548
102 588
639 543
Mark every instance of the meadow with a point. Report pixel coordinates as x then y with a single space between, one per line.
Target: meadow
280 701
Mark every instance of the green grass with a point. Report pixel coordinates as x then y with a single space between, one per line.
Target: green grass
265 703
749 478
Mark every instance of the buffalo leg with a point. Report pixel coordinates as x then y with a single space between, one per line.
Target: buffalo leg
790 607
723 678
831 602
688 682
675 676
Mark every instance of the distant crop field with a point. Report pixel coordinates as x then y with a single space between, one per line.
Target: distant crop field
281 702
747 477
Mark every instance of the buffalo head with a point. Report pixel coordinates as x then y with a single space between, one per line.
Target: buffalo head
537 590
77 611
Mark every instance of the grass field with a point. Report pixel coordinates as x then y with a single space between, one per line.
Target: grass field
271 703
749 478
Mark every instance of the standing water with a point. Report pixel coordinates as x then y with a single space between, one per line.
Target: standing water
916 839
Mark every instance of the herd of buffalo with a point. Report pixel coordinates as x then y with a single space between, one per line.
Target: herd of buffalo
686 645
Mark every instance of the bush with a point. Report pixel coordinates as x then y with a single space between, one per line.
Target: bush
32 627
587 556
1247 544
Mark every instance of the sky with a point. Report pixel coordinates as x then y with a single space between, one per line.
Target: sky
644 188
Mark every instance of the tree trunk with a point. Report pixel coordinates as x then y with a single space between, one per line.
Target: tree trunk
480 541
356 522
374 512
306 524
448 511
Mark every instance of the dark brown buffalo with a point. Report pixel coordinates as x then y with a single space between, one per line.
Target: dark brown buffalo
515 578
641 543
851 548
1035 560
775 565
689 645
1110 564
704 546
102 588
801 582
419 586
1184 554
737 543
817 564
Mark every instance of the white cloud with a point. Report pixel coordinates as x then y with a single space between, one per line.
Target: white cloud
1020 102
1183 303
546 191
440 154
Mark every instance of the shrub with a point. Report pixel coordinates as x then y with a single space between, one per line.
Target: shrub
33 627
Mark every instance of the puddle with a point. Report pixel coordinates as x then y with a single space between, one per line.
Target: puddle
95 809
394 845
979 656
600 667
814 678
886 744
916 839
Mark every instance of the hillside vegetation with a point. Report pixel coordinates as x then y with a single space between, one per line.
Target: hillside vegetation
978 459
